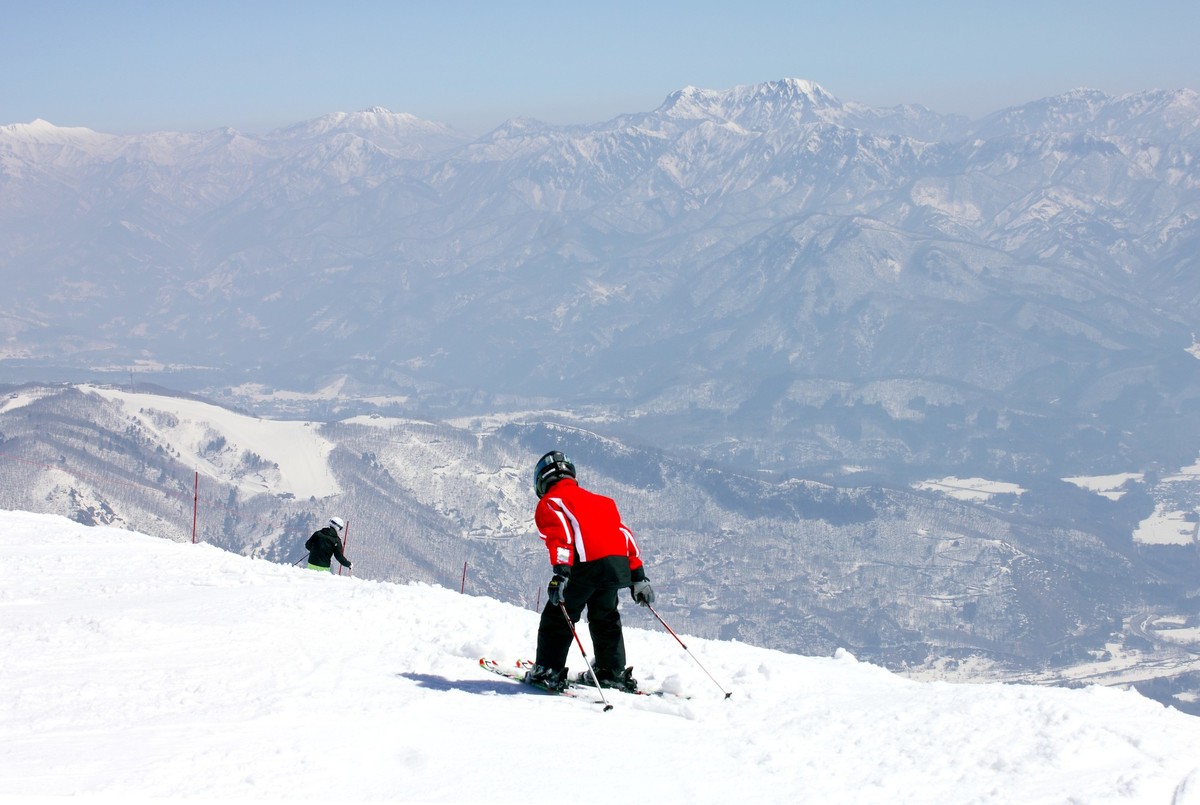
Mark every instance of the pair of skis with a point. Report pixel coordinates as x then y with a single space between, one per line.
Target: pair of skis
518 673
574 689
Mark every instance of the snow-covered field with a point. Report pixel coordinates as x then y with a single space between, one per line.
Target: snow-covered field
134 668
299 453
1109 486
1168 525
972 489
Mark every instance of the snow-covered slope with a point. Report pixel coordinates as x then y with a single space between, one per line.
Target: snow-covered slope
291 456
136 667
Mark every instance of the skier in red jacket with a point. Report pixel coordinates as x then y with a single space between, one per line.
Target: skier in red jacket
594 555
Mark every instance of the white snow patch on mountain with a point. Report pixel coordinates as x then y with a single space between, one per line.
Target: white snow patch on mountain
1188 473
1167 526
1175 520
1109 486
937 194
20 399
43 131
977 489
216 440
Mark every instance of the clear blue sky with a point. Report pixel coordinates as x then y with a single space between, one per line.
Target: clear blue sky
141 65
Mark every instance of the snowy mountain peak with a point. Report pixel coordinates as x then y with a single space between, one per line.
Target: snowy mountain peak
45 132
787 102
1145 115
42 141
38 125
400 133
375 117
690 103
384 118
798 90
757 107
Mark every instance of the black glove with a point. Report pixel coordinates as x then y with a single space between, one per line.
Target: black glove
643 593
348 565
558 585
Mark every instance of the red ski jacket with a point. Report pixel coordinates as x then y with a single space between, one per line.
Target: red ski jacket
584 530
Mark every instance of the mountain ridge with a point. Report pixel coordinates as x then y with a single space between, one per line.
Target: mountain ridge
904 577
1037 245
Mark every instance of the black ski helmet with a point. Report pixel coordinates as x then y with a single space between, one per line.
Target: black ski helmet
550 468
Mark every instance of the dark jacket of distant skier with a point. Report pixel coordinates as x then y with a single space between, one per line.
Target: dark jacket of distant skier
593 555
325 545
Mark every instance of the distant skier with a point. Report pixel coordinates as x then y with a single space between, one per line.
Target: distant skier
594 555
326 544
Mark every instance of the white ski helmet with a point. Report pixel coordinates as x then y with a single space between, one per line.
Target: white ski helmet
337 522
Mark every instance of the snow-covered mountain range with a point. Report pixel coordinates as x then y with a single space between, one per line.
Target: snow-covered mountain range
829 283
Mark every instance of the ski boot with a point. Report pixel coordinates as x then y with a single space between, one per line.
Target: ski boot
622 680
539 676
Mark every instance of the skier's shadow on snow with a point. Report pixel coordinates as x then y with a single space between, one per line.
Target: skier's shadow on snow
434 682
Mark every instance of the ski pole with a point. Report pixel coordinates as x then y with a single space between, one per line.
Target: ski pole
727 693
345 544
563 608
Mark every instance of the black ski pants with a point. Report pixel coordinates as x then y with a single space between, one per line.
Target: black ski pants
604 624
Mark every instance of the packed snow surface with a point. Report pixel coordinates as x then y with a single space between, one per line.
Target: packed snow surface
134 667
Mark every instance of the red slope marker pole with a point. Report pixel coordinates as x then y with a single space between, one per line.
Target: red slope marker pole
195 505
